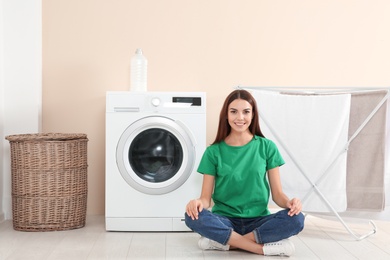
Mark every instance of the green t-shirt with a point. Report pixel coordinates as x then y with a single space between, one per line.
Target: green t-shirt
241 186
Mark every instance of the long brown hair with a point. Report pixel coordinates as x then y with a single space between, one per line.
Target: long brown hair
224 128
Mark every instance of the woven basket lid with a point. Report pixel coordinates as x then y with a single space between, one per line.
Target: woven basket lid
45 137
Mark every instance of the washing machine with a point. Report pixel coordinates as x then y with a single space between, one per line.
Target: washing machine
154 142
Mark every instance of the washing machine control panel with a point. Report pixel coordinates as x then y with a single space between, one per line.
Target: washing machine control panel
156 102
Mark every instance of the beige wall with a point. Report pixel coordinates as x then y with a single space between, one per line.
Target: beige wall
200 45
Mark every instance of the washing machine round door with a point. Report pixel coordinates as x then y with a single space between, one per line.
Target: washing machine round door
156 155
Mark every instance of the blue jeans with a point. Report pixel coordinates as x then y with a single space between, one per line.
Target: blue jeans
266 229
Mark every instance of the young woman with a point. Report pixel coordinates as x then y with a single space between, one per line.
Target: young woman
234 171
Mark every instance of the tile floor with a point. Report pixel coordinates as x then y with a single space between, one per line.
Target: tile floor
322 238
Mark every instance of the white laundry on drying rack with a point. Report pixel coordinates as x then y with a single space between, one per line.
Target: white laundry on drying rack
308 129
311 130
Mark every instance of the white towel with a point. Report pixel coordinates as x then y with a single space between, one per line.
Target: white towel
313 129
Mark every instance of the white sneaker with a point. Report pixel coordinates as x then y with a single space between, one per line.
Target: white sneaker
207 244
283 248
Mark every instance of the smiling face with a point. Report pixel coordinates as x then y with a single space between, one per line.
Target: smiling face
240 115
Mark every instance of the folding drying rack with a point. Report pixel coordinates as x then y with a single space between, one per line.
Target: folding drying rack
314 183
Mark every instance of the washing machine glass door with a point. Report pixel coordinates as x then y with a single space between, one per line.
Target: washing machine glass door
156 155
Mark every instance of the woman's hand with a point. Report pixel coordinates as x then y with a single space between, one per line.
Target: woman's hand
193 208
295 206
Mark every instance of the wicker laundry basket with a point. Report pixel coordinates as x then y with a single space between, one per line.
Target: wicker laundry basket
49 181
